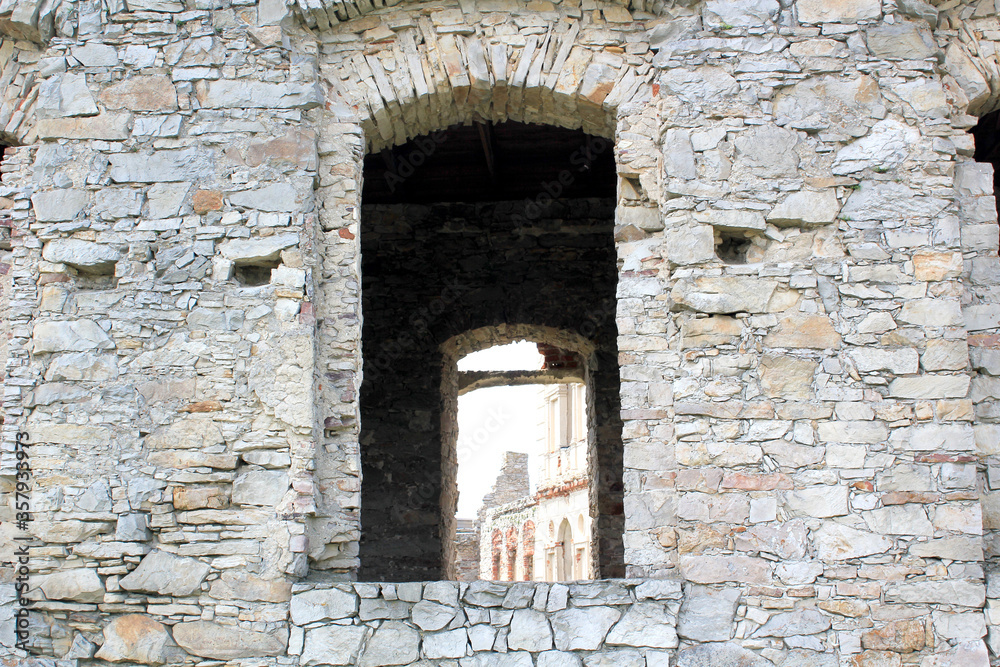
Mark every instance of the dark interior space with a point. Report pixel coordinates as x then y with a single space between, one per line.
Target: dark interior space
437 263
987 137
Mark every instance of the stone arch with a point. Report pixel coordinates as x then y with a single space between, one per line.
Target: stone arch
332 14
429 82
16 98
483 338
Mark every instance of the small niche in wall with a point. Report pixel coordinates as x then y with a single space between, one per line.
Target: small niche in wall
732 246
254 275
95 281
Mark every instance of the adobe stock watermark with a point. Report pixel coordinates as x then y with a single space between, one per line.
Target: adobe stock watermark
580 162
407 165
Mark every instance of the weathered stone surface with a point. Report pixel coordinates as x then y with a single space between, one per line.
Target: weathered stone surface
394 643
768 151
904 40
798 622
162 166
79 584
277 197
718 569
838 11
66 95
73 336
243 586
449 644
59 205
82 255
723 295
141 93
138 638
644 624
104 126
809 331
243 94
707 614
836 541
166 574
248 251
225 642
431 616
260 487
704 85
318 605
582 628
883 148
902 636
529 631
806 207
720 655
956 592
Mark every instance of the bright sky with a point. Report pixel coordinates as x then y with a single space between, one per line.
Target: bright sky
493 421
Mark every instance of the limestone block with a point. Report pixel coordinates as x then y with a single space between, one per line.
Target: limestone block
950 548
956 592
200 497
909 519
787 377
394 643
139 638
59 205
723 295
718 13
104 126
371 609
243 586
324 604
931 312
448 644
884 147
65 95
888 200
818 501
244 94
180 459
980 317
704 85
72 434
801 330
678 154
835 542
960 65
904 40
934 437
860 432
963 626
945 355
260 487
719 569
249 251
431 616
838 11
898 361
797 573
798 622
930 386
280 197
806 208
584 628
84 256
95 54
557 659
192 432
718 655
768 151
67 531
162 166
935 266
690 244
172 6
166 574
644 624
926 96
132 527
707 614
165 199
78 584
731 219
225 642
141 93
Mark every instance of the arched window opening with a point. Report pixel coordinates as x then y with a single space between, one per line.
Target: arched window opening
467 235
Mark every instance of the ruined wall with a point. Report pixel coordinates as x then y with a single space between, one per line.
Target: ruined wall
430 273
803 416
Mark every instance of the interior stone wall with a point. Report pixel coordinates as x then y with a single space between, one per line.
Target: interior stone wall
431 273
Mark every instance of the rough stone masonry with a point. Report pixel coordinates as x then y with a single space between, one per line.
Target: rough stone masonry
808 326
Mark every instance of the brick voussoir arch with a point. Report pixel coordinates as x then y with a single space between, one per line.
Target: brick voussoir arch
409 89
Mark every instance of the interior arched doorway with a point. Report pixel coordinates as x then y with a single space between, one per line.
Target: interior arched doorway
565 551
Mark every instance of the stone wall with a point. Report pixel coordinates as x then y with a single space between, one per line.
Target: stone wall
809 412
